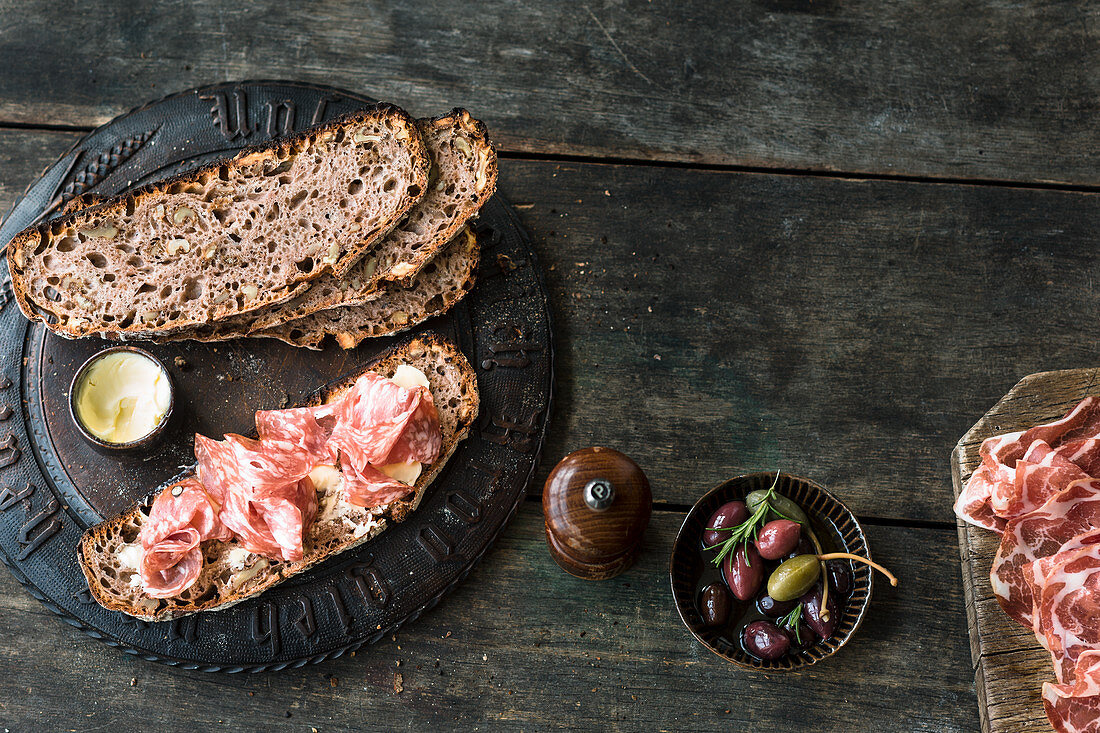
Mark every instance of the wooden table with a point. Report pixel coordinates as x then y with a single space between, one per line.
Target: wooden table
819 236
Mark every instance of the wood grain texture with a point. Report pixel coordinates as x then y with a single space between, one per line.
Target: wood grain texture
711 323
1011 666
523 646
994 90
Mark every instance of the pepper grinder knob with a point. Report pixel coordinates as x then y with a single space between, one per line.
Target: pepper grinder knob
597 504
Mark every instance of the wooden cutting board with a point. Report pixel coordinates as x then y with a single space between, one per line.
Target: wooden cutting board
1009 665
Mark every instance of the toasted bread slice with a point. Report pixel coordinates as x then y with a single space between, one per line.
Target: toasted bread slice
463 176
443 282
228 238
109 552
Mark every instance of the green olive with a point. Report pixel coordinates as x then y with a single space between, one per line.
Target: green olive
794 577
781 504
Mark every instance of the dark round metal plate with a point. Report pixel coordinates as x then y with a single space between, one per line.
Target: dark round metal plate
53 485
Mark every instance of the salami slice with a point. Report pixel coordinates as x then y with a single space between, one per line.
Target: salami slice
182 517
370 487
379 422
273 522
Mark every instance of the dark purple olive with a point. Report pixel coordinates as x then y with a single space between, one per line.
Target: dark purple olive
744 572
772 608
805 547
805 637
715 605
811 612
778 537
840 576
765 640
728 515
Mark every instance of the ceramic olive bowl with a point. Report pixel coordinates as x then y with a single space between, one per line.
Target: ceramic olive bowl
689 561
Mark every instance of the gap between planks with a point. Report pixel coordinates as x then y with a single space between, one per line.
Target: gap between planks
528 156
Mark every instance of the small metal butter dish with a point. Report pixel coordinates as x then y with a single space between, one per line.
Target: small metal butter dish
139 393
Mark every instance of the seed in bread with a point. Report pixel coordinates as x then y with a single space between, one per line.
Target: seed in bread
110 552
225 239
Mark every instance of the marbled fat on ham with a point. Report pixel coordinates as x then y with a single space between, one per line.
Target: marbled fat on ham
1040 533
182 517
1069 607
988 499
1074 707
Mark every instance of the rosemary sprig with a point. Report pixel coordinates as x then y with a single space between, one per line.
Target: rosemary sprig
740 535
793 620
745 532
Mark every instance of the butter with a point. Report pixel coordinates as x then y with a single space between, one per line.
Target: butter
409 376
129 556
406 473
122 397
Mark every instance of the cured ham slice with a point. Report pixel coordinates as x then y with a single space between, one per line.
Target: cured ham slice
999 454
1041 533
1037 571
1069 606
1084 453
1075 707
182 517
1039 475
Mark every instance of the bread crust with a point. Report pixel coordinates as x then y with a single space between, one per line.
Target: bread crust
437 351
248 156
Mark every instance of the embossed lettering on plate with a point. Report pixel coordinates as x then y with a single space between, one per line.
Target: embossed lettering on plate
374 588
519 435
511 347
231 120
264 626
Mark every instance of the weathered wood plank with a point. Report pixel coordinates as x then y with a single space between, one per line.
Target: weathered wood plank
716 323
1011 665
522 645
920 88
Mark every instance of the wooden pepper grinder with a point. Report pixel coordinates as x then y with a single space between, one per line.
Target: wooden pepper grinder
597 504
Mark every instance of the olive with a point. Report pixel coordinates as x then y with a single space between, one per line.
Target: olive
804 638
715 605
811 612
772 608
840 576
805 547
782 505
794 577
765 640
744 572
778 537
728 515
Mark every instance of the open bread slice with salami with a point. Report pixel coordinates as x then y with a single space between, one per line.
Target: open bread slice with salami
232 569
